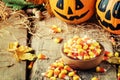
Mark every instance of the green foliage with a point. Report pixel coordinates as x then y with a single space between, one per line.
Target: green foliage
19 4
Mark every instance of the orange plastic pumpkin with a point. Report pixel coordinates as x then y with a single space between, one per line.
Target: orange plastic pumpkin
108 14
73 11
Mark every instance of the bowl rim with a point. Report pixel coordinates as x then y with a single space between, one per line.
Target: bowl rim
101 53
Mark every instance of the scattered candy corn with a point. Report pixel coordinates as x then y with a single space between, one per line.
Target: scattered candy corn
56 29
49 73
109 54
60 65
30 65
58 70
118 76
94 78
105 58
58 40
76 77
100 69
116 54
68 68
62 76
72 73
41 56
53 78
63 71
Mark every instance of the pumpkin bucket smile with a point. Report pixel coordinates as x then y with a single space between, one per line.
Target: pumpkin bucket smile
73 11
72 17
108 25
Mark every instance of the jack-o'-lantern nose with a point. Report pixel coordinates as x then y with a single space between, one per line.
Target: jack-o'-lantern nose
70 10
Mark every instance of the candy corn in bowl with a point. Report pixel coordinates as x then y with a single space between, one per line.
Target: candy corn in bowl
82 53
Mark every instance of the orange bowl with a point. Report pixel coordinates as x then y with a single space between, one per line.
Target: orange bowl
83 64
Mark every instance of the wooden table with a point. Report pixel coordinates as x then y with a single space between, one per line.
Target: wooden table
10 69
43 42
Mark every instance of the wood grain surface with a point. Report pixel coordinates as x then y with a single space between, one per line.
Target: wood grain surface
10 68
43 42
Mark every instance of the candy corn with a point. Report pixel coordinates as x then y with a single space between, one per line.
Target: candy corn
82 48
30 65
58 70
68 68
109 54
41 56
72 73
56 29
76 77
58 40
63 76
60 65
118 76
116 54
49 73
94 78
63 71
100 69
53 78
105 58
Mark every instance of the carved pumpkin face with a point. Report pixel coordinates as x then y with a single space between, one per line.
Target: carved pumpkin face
73 11
108 14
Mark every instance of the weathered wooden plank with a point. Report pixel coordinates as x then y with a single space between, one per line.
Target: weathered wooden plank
43 42
10 69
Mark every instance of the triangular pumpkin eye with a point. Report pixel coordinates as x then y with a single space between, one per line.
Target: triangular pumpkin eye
103 5
116 10
60 4
79 5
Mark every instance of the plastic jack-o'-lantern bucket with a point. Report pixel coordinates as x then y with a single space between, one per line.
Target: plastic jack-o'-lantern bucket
73 11
108 15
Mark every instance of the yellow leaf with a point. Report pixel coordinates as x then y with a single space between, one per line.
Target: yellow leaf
27 56
13 46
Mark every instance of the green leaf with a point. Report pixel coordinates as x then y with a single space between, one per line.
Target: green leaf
17 2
